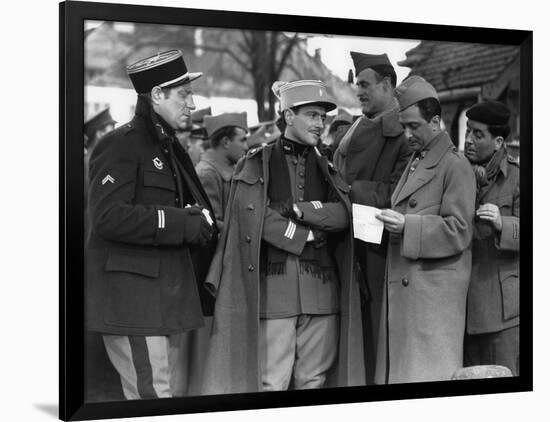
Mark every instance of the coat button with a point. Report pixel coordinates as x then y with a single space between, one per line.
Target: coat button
251 268
295 161
301 174
248 239
300 186
262 180
301 198
250 207
413 203
405 282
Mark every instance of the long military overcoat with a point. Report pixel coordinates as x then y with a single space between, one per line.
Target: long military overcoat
428 269
232 364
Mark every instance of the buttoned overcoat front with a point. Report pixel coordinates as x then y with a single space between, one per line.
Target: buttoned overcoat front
428 269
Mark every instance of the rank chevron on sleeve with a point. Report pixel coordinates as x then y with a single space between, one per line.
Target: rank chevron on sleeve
108 178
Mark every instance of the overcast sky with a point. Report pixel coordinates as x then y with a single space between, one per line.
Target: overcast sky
335 52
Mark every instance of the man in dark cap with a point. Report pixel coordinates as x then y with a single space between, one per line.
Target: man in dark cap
227 136
151 230
371 157
286 315
429 258
493 297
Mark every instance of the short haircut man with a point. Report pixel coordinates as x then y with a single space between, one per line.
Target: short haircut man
429 258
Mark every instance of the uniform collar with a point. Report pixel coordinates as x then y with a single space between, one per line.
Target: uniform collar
291 147
389 119
436 148
156 125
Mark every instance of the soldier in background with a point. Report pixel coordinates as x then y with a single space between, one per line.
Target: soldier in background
228 143
493 297
151 232
371 157
94 129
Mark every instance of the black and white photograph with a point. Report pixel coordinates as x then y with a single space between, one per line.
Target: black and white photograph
268 210
264 211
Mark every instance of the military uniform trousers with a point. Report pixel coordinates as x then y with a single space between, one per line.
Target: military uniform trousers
499 348
149 366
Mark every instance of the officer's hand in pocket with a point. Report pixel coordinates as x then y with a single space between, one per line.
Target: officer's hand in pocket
197 230
319 239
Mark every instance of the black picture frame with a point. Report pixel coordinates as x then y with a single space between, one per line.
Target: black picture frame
71 44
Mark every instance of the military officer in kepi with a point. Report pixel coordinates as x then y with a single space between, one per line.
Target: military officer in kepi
287 310
151 232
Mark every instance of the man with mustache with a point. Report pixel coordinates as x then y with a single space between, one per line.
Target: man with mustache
150 226
371 157
429 257
493 298
286 312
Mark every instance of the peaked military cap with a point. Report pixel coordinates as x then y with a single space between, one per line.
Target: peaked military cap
303 92
166 69
493 113
98 121
412 90
362 61
215 123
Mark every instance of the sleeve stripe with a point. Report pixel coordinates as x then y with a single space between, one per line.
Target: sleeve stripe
290 230
317 205
161 218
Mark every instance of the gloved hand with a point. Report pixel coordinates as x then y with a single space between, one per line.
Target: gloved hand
197 230
319 239
286 209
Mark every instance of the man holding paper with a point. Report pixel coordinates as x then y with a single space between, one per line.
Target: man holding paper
429 256
371 157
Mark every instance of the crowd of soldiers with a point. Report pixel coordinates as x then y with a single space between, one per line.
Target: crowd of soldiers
221 261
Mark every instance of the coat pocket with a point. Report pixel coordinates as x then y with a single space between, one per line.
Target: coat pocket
509 285
133 291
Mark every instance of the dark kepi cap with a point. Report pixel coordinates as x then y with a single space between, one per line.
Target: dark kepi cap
166 70
98 121
492 113
215 123
412 90
362 61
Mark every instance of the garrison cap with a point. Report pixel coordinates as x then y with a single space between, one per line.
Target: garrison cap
198 115
412 90
362 61
100 120
215 123
165 69
492 113
303 92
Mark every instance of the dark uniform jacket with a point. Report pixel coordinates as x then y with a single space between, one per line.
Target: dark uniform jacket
139 274
493 297
232 363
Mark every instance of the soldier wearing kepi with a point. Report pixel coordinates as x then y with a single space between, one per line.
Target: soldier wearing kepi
493 297
287 308
371 158
150 230
429 256
227 136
